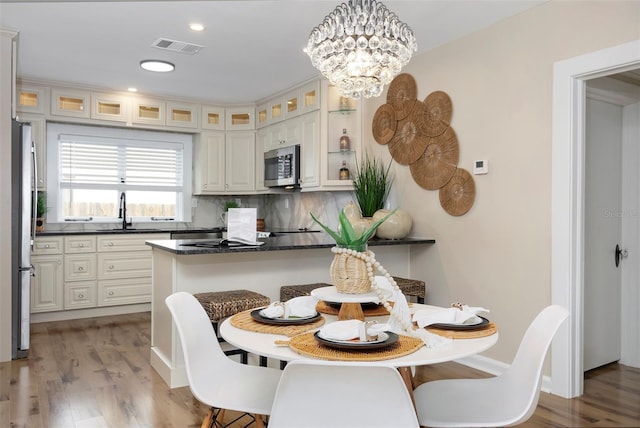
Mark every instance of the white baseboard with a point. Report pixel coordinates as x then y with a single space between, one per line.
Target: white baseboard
89 313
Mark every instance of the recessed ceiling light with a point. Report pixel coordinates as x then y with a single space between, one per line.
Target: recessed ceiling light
132 89
157 65
196 27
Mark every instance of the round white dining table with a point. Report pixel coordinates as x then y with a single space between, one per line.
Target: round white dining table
264 344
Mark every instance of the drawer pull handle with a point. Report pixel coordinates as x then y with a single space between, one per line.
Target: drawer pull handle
110 266
80 269
46 245
110 244
110 293
81 245
81 296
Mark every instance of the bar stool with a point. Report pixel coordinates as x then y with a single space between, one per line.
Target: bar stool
222 304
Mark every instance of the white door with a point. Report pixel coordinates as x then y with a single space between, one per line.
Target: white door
603 225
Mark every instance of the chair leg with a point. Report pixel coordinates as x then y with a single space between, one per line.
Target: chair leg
259 421
209 419
263 361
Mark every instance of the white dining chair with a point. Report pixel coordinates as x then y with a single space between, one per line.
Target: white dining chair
504 400
326 394
215 379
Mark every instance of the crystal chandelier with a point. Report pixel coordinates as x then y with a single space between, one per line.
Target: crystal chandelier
360 47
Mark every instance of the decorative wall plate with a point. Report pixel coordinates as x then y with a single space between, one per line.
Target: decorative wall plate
408 143
384 124
436 114
402 87
458 195
438 163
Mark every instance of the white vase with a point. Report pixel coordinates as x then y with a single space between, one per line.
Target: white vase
397 226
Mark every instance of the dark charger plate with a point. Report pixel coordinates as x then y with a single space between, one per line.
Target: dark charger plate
255 314
462 327
358 346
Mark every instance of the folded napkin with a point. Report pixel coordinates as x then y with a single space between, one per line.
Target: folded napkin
468 315
298 307
351 329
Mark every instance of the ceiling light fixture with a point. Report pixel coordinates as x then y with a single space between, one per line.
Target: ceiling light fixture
157 65
132 89
360 47
196 27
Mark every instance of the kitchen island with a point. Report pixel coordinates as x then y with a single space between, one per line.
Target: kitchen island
287 259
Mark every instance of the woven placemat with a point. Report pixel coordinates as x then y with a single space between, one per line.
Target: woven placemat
490 329
306 344
369 311
244 321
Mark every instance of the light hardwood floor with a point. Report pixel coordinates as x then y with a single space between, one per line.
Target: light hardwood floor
96 373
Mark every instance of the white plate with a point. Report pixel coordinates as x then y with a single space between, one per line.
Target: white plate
290 318
382 336
330 295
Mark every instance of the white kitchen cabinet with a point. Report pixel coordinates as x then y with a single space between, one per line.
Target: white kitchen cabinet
80 294
261 138
149 111
240 159
38 135
47 245
225 163
32 98
79 267
124 291
47 283
182 115
111 107
309 97
309 132
70 103
240 118
79 244
262 115
212 118
282 134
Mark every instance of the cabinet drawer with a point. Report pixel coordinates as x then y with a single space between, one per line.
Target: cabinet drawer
48 245
79 267
133 242
80 244
124 265
81 294
124 291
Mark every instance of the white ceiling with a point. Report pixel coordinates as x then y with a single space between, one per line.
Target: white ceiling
252 49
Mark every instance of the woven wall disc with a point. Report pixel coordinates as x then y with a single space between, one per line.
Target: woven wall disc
402 87
438 163
436 114
408 143
404 108
384 124
458 195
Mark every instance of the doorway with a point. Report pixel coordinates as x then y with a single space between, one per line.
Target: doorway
568 211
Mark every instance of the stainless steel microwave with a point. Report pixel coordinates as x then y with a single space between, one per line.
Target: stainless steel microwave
282 167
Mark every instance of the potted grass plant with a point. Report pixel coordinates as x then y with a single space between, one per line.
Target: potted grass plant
371 185
41 209
349 271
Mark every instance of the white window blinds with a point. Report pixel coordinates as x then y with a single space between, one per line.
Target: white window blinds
106 163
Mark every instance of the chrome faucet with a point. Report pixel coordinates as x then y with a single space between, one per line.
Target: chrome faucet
122 212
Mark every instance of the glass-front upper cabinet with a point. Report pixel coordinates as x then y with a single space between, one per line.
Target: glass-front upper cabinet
149 110
212 118
183 115
309 97
109 107
262 115
240 118
70 102
31 99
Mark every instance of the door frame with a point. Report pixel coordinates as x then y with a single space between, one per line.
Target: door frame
567 202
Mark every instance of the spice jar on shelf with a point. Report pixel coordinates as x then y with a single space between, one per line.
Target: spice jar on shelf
344 171
345 141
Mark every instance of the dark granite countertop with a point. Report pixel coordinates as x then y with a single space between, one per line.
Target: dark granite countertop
127 231
288 241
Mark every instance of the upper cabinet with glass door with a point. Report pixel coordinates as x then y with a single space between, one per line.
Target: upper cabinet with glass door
70 103
212 117
240 118
32 99
110 107
182 115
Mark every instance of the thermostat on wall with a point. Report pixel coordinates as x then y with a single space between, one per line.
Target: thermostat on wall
481 167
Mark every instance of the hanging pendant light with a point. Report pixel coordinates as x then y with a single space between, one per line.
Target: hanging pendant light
360 47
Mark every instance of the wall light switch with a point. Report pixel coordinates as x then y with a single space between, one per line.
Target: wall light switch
481 167
194 202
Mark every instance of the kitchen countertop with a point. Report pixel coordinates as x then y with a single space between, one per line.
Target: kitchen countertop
286 241
121 231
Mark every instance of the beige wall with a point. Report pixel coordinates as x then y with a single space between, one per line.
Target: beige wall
498 255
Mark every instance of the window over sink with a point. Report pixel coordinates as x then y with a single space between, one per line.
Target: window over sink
90 168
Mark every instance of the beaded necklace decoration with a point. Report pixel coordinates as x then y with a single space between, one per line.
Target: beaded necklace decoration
400 315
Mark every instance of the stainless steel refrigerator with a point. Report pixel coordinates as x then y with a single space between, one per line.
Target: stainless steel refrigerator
23 211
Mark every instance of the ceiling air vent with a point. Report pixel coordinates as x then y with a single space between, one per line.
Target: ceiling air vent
176 46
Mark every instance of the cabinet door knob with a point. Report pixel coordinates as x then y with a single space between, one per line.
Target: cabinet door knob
80 268
110 266
46 245
59 262
81 245
81 296
110 244
110 293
